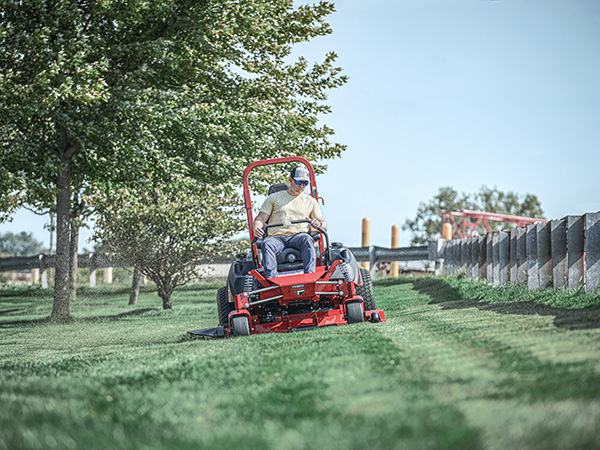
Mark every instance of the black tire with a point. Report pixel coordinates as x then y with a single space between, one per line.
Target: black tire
354 312
366 290
240 326
223 306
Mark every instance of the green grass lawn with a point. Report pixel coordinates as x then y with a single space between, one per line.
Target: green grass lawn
457 365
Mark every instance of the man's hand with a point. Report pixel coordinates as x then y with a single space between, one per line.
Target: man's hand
259 223
319 223
258 230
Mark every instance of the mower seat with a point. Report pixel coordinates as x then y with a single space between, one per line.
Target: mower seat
290 258
277 187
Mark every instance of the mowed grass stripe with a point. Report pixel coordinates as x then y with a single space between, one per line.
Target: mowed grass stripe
440 373
486 364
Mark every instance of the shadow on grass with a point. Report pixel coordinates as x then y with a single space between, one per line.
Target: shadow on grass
104 318
449 297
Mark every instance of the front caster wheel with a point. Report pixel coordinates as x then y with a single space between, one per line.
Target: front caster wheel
354 311
240 326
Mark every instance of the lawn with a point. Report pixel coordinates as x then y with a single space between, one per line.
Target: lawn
457 365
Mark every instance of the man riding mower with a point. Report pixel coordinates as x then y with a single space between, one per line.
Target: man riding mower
292 278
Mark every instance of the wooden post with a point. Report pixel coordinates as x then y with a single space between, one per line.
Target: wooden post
394 270
43 271
447 231
92 270
108 275
366 241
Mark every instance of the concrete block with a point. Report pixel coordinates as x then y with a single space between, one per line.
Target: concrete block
495 259
469 256
475 256
504 257
512 271
544 255
592 251
448 258
533 281
489 259
558 236
575 261
522 255
482 258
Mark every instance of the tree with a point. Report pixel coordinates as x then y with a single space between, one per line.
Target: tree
105 93
19 244
164 229
428 221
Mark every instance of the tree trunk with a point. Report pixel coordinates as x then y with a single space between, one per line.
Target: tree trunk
62 297
164 292
73 261
135 286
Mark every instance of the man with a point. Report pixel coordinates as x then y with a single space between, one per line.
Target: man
284 207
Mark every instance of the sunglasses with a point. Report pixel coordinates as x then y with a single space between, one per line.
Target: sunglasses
301 183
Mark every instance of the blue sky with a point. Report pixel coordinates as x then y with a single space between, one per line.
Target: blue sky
459 93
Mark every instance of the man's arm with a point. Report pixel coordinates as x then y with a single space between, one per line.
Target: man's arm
316 217
259 223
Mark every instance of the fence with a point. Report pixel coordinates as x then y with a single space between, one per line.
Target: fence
374 254
39 265
562 253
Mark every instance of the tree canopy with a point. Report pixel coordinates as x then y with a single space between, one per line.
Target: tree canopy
103 93
164 230
19 244
427 223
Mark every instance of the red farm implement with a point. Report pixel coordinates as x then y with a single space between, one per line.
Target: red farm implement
469 220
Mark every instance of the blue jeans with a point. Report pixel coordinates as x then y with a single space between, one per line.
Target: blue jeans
275 244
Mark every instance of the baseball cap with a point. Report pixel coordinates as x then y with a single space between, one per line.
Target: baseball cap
300 173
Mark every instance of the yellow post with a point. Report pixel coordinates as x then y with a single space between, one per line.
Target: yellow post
366 233
394 269
446 231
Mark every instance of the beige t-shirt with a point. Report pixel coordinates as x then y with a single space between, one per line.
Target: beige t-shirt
283 207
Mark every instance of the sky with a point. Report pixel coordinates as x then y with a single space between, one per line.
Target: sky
459 93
